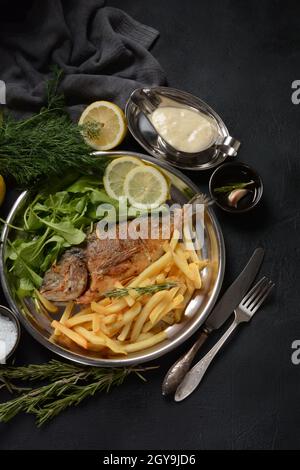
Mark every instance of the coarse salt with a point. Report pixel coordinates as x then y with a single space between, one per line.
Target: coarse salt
8 337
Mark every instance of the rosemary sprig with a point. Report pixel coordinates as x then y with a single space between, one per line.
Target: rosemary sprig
232 186
69 385
121 292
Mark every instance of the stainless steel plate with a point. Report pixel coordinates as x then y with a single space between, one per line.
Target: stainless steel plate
147 137
182 189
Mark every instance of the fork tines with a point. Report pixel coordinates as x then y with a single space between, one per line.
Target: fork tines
256 296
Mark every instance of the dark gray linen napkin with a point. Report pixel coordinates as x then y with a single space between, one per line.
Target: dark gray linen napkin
104 54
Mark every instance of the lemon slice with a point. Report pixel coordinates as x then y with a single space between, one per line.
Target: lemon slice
111 122
115 174
2 189
146 187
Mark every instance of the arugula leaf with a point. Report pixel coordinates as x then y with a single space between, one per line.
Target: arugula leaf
66 229
84 184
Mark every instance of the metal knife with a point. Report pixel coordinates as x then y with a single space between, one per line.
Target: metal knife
216 319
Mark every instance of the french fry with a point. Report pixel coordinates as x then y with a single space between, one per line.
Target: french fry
90 336
163 305
65 316
182 263
132 313
74 336
147 327
190 285
144 314
153 269
114 307
49 306
105 329
158 315
109 319
144 336
113 345
189 245
179 310
177 314
197 278
146 343
174 239
84 311
111 330
104 302
76 320
124 332
67 312
96 323
159 308
182 288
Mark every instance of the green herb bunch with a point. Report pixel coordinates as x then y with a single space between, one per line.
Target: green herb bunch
45 145
68 385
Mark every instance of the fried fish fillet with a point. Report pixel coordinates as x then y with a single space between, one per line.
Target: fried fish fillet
85 274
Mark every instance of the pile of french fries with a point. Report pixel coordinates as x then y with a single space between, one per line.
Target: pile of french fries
135 322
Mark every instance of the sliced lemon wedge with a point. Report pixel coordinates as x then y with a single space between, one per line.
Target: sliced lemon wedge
146 187
104 125
115 175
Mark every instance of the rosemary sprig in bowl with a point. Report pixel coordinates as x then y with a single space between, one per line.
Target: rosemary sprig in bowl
231 186
68 385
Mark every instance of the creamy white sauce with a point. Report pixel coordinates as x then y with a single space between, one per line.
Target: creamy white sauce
186 130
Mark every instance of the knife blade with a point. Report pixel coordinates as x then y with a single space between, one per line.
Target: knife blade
222 311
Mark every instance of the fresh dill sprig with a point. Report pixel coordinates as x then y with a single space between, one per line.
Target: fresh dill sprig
232 186
122 291
68 385
46 144
55 100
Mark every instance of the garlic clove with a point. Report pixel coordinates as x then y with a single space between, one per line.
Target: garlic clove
235 196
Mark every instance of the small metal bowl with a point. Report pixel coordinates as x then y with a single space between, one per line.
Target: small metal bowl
6 312
236 172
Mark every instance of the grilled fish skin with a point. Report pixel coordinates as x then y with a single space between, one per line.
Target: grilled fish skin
67 279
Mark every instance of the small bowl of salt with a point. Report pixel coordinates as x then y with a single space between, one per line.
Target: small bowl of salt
10 332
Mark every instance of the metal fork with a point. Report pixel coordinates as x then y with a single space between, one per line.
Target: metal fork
243 313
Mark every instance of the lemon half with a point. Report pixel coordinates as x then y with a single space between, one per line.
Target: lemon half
111 121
